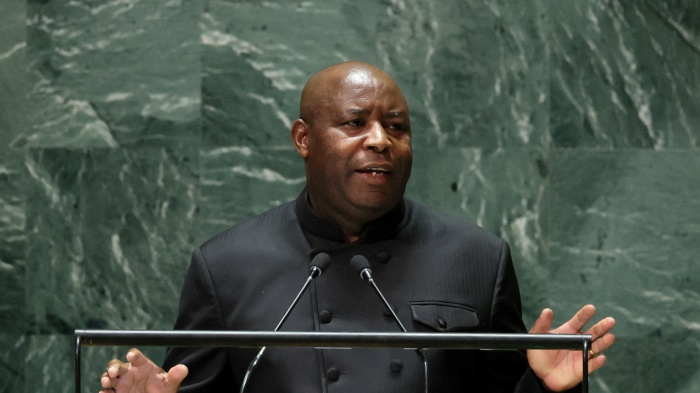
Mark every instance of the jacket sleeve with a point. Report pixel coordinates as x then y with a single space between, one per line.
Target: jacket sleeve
511 367
209 368
507 368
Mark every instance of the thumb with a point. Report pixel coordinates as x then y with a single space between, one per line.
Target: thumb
544 322
176 374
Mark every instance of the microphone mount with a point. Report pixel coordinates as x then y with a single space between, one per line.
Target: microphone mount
361 264
319 263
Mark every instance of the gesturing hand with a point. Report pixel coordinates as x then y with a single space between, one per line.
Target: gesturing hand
562 369
140 375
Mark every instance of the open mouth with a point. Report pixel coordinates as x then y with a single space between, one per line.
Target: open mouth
374 171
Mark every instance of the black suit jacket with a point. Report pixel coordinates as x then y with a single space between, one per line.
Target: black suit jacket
440 274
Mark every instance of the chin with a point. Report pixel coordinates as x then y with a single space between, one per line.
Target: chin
379 205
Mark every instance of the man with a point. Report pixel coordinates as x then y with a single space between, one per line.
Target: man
354 134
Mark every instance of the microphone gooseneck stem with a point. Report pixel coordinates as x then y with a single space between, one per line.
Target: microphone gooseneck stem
386 304
366 274
251 366
315 272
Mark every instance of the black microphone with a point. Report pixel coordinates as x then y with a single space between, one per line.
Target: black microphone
361 264
319 264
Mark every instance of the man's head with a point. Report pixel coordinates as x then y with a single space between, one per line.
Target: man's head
354 134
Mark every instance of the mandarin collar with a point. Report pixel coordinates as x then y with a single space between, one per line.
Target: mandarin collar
380 229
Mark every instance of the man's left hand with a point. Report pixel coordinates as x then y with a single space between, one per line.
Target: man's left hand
562 369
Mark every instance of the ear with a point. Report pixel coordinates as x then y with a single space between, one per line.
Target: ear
300 137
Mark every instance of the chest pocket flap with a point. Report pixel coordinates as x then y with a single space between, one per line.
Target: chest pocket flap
444 316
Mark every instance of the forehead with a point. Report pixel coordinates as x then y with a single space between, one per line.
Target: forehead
366 88
360 77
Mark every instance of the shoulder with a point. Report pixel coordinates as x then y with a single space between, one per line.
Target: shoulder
429 222
268 229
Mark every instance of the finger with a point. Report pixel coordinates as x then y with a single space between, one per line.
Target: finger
543 323
176 374
580 319
135 357
596 363
603 343
116 368
105 382
601 328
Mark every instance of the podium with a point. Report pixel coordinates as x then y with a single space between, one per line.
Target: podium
256 339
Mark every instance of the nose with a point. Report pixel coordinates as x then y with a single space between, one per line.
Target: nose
377 139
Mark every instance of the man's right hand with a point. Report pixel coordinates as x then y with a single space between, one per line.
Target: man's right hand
140 375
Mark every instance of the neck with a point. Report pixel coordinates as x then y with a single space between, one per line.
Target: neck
350 225
351 228
333 227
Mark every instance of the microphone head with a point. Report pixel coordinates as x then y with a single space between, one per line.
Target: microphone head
321 261
361 264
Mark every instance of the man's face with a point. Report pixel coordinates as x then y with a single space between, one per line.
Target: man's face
358 157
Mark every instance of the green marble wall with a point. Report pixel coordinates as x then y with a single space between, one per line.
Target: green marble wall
133 130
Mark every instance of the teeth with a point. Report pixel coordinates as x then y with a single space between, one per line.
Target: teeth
375 171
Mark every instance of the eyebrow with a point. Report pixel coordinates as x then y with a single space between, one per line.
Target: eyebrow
356 111
360 111
396 114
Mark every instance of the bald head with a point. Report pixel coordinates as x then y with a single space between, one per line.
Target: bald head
354 134
322 87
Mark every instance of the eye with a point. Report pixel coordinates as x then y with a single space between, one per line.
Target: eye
355 123
396 127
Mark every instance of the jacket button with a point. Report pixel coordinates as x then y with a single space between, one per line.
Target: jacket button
333 374
383 256
388 314
442 323
396 366
325 316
